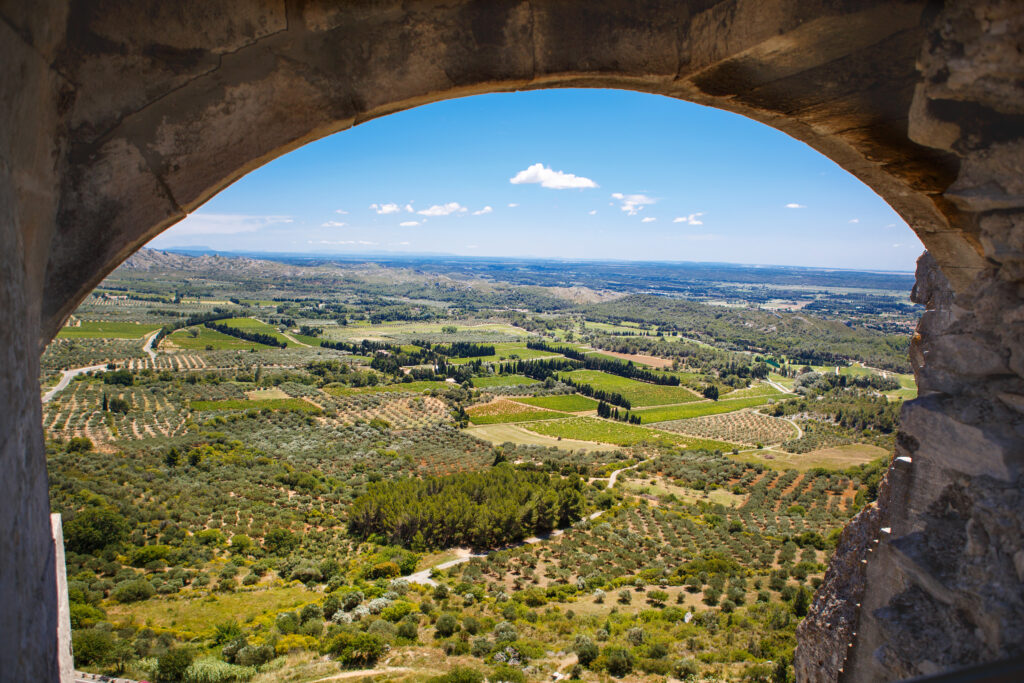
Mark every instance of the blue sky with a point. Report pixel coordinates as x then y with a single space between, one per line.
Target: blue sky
593 174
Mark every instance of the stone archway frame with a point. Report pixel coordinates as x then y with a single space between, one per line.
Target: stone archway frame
129 116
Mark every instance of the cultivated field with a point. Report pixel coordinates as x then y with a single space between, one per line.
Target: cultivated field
637 393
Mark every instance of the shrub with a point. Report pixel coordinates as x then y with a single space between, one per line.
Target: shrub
446 625
133 591
460 674
356 649
503 673
505 632
618 661
95 529
293 642
173 664
408 630
209 670
91 646
397 611
287 622
586 650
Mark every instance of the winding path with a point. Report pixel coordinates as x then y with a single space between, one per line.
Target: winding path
67 376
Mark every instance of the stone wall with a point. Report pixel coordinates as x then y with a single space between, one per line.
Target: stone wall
941 580
119 118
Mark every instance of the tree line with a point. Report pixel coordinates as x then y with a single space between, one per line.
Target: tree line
486 509
612 367
258 337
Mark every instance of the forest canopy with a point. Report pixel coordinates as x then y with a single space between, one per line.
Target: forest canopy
479 509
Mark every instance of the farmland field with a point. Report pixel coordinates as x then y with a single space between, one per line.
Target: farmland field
697 409
637 393
252 325
183 339
570 403
619 433
498 434
502 381
89 329
503 410
256 404
267 506
400 387
741 426
838 457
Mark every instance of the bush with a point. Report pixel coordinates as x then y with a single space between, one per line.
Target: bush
95 529
505 632
173 664
133 591
503 673
460 674
287 622
586 650
618 661
397 611
294 642
91 646
685 669
446 625
254 655
408 630
209 670
356 649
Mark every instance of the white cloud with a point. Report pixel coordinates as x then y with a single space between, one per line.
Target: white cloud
385 208
793 205
855 220
333 224
896 246
224 224
409 224
649 219
592 212
483 211
409 209
692 219
443 209
365 242
403 244
512 205
553 180
472 246
633 203
341 211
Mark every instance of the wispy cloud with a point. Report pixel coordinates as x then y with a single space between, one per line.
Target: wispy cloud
855 220
512 205
592 212
343 212
692 219
553 180
483 211
649 219
443 209
408 208
225 224
409 224
794 205
333 224
385 208
633 203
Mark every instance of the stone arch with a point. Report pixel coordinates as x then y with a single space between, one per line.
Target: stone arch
129 116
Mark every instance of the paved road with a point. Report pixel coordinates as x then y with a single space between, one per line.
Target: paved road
148 348
66 378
